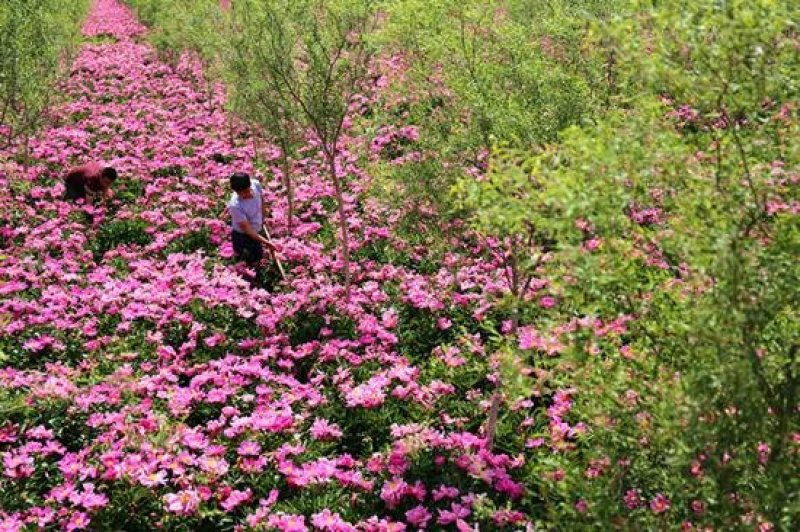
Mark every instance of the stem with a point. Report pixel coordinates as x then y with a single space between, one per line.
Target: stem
494 411
497 396
345 241
743 156
287 182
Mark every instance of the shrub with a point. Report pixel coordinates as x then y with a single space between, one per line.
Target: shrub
115 233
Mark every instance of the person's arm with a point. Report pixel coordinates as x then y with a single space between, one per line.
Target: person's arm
247 229
104 195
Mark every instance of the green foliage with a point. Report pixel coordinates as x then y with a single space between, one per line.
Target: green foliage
124 232
128 191
509 84
311 55
721 58
707 278
179 25
198 240
516 74
174 170
37 38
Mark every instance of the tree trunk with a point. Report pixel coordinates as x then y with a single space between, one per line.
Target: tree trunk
26 157
494 411
344 239
497 396
287 182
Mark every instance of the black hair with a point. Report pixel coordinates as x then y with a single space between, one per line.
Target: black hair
109 173
240 181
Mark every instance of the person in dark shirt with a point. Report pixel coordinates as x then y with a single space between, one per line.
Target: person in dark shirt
89 179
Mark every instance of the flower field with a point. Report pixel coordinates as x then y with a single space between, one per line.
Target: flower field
454 370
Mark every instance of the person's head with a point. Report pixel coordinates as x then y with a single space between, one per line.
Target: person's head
108 175
240 183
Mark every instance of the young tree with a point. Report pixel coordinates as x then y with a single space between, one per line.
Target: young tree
510 215
312 57
516 73
36 38
259 99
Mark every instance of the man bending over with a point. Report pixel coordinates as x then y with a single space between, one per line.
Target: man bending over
89 179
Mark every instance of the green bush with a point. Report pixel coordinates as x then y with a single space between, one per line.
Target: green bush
132 232
35 38
198 240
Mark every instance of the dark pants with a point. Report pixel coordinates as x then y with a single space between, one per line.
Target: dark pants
250 251
75 190
247 249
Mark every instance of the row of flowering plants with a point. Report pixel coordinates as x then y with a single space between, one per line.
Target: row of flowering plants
145 384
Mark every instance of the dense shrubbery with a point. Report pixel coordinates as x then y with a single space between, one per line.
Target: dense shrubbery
678 213
121 233
37 38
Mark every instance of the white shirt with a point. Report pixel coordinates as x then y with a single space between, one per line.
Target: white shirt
249 210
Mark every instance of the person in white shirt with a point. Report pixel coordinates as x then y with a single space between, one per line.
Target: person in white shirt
247 209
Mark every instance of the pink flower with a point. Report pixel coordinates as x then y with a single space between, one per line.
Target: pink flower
389 319
213 465
582 506
185 502
77 521
592 244
249 448
235 498
39 343
698 507
288 522
39 433
393 491
328 521
323 430
12 523
763 453
153 479
194 440
534 443
547 302
444 492
454 514
632 499
368 395
215 339
508 517
88 498
659 504
418 516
